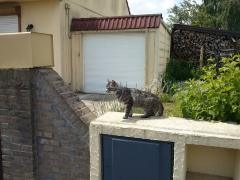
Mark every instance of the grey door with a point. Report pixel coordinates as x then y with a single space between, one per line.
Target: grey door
136 159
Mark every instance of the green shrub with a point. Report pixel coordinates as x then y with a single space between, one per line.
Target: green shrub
177 71
213 97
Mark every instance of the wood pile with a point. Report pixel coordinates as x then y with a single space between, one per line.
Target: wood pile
187 44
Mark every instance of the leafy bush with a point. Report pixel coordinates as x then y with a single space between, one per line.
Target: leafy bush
177 71
212 96
168 98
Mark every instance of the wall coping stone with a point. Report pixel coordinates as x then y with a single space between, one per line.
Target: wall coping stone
175 126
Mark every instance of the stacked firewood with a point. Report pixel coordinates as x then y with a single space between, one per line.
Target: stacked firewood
187 44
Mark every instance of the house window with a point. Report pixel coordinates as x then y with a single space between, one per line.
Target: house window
10 18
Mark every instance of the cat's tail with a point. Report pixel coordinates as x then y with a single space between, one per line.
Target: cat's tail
160 109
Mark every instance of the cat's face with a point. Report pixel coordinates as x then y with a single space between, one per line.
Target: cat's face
111 86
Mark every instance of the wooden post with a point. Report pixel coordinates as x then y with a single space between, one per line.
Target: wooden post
201 56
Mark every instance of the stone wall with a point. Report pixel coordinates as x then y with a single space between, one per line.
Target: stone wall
61 124
188 40
16 126
44 127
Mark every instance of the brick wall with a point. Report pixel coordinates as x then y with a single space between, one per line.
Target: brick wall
44 127
16 127
61 123
188 40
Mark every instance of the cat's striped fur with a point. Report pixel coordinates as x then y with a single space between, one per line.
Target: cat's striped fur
150 103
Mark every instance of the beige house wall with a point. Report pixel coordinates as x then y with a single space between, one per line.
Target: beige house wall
30 50
211 160
164 48
158 53
77 63
102 7
150 56
237 166
83 9
42 49
20 43
45 16
54 17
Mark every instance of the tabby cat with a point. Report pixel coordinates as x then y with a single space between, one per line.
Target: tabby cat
137 98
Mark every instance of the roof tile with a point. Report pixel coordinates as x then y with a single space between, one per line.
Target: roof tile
116 23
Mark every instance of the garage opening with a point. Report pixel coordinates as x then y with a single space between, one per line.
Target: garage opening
117 56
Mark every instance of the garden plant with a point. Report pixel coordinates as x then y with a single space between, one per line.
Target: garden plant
213 96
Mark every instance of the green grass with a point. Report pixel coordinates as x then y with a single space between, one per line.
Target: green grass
170 109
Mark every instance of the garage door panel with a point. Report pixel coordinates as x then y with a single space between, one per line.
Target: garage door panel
113 56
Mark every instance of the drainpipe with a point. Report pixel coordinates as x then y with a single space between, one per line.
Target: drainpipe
67 10
68 49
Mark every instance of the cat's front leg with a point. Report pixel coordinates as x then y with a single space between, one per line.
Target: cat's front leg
127 111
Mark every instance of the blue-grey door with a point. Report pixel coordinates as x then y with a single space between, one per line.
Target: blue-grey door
136 159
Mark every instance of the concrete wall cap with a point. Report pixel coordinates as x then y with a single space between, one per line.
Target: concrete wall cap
173 125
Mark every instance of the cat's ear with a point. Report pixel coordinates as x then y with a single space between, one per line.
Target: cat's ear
114 83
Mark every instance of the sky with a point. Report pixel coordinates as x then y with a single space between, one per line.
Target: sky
152 6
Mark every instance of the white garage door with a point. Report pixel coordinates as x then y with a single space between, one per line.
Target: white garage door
9 24
118 56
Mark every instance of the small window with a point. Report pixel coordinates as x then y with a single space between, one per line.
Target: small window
10 18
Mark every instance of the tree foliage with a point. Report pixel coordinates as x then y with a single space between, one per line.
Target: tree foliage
184 13
224 13
220 14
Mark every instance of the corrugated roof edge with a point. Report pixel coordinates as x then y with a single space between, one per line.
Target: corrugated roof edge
117 22
112 17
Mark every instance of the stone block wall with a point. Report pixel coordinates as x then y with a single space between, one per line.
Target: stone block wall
188 40
16 126
61 123
44 127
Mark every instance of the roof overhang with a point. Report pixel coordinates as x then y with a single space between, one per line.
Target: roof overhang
117 23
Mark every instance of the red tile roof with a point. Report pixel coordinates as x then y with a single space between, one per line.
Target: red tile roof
116 23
